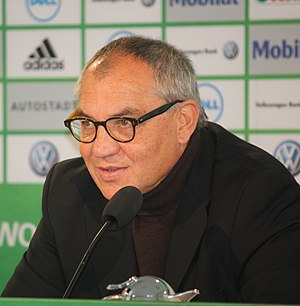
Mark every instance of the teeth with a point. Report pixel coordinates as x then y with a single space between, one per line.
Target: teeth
111 169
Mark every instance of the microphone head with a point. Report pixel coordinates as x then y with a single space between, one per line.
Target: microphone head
123 207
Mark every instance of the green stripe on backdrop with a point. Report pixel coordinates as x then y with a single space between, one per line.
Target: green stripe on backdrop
4 89
246 76
20 211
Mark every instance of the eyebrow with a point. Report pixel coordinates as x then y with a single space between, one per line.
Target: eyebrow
127 111
80 113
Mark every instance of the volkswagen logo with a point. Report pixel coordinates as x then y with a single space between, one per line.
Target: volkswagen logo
42 157
231 50
288 152
148 2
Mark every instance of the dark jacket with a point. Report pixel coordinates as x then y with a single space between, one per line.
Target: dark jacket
236 237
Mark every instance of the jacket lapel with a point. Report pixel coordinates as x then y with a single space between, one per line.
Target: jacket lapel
113 258
192 213
185 240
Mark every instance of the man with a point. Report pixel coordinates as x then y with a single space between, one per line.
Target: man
219 214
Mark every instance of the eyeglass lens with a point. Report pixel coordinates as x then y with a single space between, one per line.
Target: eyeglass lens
85 130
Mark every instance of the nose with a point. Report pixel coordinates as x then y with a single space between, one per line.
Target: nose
104 145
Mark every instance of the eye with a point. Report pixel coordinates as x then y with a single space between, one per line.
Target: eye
86 123
87 126
122 123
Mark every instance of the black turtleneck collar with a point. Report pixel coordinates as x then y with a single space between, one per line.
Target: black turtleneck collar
163 196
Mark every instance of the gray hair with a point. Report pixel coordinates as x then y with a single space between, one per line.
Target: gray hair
174 73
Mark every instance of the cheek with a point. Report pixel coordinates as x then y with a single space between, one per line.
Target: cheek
152 165
85 150
158 141
156 153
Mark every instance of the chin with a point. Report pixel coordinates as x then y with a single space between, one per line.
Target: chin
109 191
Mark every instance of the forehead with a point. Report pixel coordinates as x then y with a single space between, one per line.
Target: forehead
121 67
128 84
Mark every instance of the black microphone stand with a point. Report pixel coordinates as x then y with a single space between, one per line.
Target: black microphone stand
84 260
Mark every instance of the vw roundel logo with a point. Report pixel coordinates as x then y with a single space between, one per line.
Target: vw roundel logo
231 50
42 157
212 101
288 152
148 2
43 11
119 34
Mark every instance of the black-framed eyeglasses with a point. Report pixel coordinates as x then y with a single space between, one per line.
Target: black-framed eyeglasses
121 129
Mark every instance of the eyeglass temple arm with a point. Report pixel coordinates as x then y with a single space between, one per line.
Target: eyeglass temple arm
158 111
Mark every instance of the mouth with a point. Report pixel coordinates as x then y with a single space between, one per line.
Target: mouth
111 169
111 173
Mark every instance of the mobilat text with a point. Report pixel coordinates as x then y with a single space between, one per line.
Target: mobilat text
275 51
203 2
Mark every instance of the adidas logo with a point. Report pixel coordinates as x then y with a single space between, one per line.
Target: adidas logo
44 58
44 50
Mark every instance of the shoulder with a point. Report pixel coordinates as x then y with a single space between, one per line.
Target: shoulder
232 151
69 171
69 180
247 178
69 166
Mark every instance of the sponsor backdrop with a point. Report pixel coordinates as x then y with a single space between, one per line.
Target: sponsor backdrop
246 54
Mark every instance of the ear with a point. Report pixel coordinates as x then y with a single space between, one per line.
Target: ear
188 115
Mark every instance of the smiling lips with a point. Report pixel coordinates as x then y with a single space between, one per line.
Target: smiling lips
110 173
111 169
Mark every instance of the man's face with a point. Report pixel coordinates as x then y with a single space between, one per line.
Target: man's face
128 90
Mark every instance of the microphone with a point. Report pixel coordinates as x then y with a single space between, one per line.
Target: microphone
118 212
